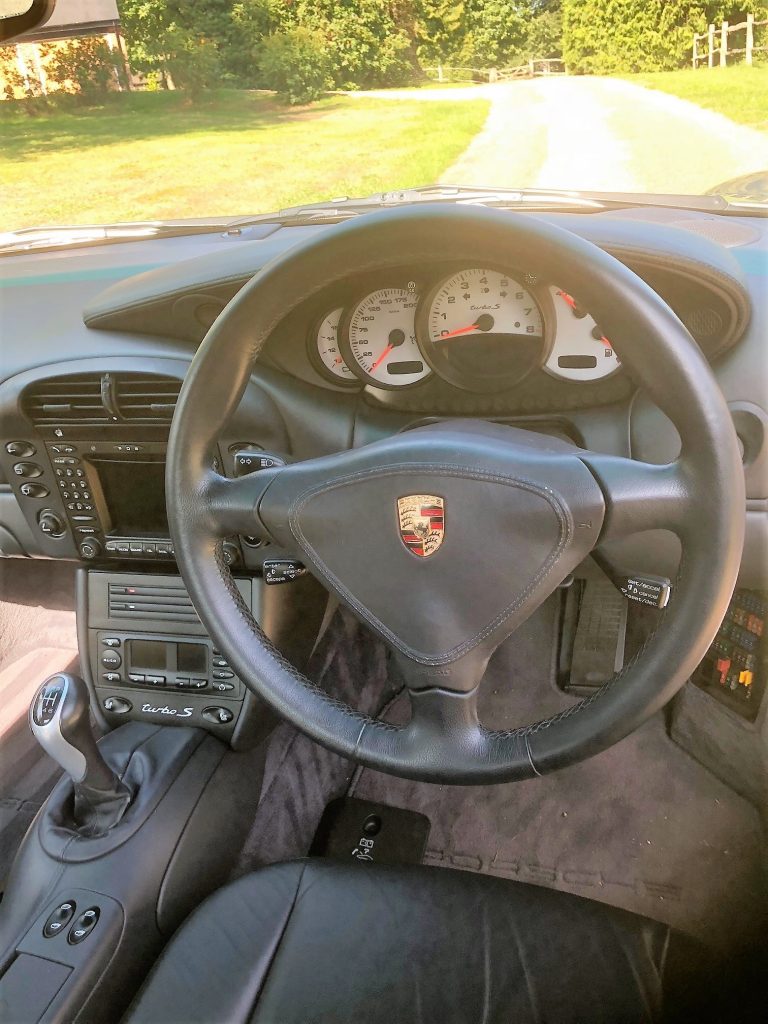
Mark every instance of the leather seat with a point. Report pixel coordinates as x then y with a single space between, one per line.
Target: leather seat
319 942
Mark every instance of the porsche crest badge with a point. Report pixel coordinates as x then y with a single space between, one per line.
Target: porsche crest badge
422 523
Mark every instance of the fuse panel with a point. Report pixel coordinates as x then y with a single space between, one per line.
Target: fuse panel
735 666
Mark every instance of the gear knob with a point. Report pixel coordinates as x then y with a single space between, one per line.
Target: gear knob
59 719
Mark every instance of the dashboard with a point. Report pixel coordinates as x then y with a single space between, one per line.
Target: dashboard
98 339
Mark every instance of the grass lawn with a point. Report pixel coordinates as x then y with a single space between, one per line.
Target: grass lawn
153 155
739 92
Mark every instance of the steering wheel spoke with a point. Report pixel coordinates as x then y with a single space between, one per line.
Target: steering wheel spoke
641 496
233 505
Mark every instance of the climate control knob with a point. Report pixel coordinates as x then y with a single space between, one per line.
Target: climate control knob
90 548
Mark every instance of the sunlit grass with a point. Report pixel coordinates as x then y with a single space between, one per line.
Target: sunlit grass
154 155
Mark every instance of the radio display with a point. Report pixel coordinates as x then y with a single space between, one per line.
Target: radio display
135 496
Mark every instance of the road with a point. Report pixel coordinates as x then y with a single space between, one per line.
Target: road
597 133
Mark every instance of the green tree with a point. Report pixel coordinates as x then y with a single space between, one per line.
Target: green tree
365 46
439 29
295 64
607 36
496 32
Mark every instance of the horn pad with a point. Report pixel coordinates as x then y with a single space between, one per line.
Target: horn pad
444 537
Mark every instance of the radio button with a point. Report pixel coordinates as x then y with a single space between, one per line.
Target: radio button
65 460
218 716
34 491
111 677
63 449
136 547
111 659
136 677
163 549
123 547
149 549
191 684
117 705
83 519
155 680
28 470
222 674
220 663
20 449
223 687
110 641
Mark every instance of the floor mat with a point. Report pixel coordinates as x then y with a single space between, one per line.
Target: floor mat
641 826
360 830
300 776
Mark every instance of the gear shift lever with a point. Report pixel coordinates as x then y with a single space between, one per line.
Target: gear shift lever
59 719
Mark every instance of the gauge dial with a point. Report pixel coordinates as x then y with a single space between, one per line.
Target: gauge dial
580 350
484 330
379 339
326 346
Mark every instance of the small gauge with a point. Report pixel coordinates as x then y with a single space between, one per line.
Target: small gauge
378 339
580 351
324 346
482 329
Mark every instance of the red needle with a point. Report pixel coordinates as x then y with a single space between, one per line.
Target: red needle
572 303
460 330
381 358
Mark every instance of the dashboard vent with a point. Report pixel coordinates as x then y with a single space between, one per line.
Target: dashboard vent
144 398
74 399
143 601
101 398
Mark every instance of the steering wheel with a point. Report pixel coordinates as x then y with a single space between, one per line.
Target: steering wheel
519 510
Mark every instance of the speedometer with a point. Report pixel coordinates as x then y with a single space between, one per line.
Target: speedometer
483 329
379 339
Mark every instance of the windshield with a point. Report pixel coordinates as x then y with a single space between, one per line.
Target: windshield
147 110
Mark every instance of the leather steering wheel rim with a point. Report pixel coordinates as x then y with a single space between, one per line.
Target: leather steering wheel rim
700 496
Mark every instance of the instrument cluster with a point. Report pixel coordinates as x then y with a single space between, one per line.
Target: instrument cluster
481 329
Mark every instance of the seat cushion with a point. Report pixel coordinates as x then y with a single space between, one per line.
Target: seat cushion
319 942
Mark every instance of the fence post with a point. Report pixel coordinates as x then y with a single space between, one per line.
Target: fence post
493 75
711 41
724 44
750 38
695 49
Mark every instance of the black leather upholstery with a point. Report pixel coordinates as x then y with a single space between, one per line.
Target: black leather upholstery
318 942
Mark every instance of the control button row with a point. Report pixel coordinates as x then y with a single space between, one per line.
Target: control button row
63 914
63 449
136 548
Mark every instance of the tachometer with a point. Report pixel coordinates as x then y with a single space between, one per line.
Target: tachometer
378 339
483 330
324 347
580 350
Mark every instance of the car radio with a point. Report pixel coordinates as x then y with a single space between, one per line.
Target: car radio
114 497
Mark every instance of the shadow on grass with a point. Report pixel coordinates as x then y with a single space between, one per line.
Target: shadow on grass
127 117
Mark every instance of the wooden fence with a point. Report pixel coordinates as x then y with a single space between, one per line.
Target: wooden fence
531 69
717 43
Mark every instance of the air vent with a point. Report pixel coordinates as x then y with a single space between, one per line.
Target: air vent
142 601
101 398
74 399
144 398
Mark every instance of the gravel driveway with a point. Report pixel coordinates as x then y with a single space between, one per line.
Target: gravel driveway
596 133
